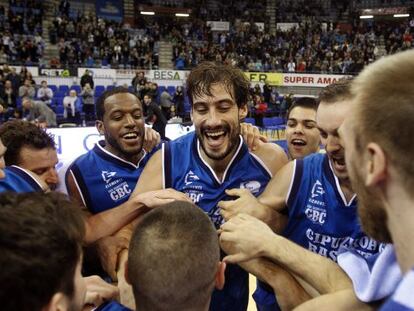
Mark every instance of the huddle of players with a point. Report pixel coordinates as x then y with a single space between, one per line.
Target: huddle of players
174 259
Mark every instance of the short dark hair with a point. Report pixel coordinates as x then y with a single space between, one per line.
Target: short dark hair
100 103
202 77
303 102
40 242
336 91
16 134
173 257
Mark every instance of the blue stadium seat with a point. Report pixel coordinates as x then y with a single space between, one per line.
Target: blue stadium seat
99 89
250 120
53 88
77 88
161 89
64 89
274 124
110 87
171 89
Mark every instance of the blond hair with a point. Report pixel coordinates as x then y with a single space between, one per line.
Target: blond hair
385 97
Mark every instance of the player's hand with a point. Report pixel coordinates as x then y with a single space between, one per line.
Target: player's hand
98 291
160 197
108 249
244 237
152 139
245 203
251 135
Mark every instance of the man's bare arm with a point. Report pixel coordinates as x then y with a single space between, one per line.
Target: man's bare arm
343 300
250 238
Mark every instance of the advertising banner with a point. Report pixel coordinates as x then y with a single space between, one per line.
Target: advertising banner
110 9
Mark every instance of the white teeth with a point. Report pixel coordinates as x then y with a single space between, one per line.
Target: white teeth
130 135
298 141
215 134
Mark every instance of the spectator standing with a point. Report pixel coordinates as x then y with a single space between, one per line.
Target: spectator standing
179 101
45 93
8 97
291 66
88 102
39 113
87 78
260 110
154 116
138 83
72 107
14 78
166 104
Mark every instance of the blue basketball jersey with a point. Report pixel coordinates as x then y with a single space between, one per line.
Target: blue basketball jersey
112 306
319 217
18 179
402 299
186 171
103 179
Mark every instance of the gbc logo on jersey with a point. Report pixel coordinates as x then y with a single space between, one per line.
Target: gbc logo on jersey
316 214
253 186
117 188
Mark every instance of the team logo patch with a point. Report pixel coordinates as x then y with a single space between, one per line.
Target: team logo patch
107 176
253 186
190 178
317 189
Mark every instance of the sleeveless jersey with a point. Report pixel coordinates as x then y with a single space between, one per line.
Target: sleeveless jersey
319 218
402 299
18 179
103 179
185 170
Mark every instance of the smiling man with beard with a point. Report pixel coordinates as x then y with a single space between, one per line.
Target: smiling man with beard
316 194
204 164
379 154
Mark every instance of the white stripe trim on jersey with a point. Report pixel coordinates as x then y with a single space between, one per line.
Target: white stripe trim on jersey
79 189
163 164
292 179
30 174
338 186
120 159
228 165
404 293
261 163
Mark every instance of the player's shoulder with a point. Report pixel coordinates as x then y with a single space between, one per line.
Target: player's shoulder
272 155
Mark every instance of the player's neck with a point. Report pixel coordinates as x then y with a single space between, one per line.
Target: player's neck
218 166
134 158
400 221
346 188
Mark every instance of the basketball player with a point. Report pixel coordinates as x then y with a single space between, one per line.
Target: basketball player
30 148
17 179
42 259
315 193
379 154
302 134
214 158
174 259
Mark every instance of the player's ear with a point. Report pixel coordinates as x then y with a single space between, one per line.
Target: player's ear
220 278
243 110
126 274
100 127
59 302
376 166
